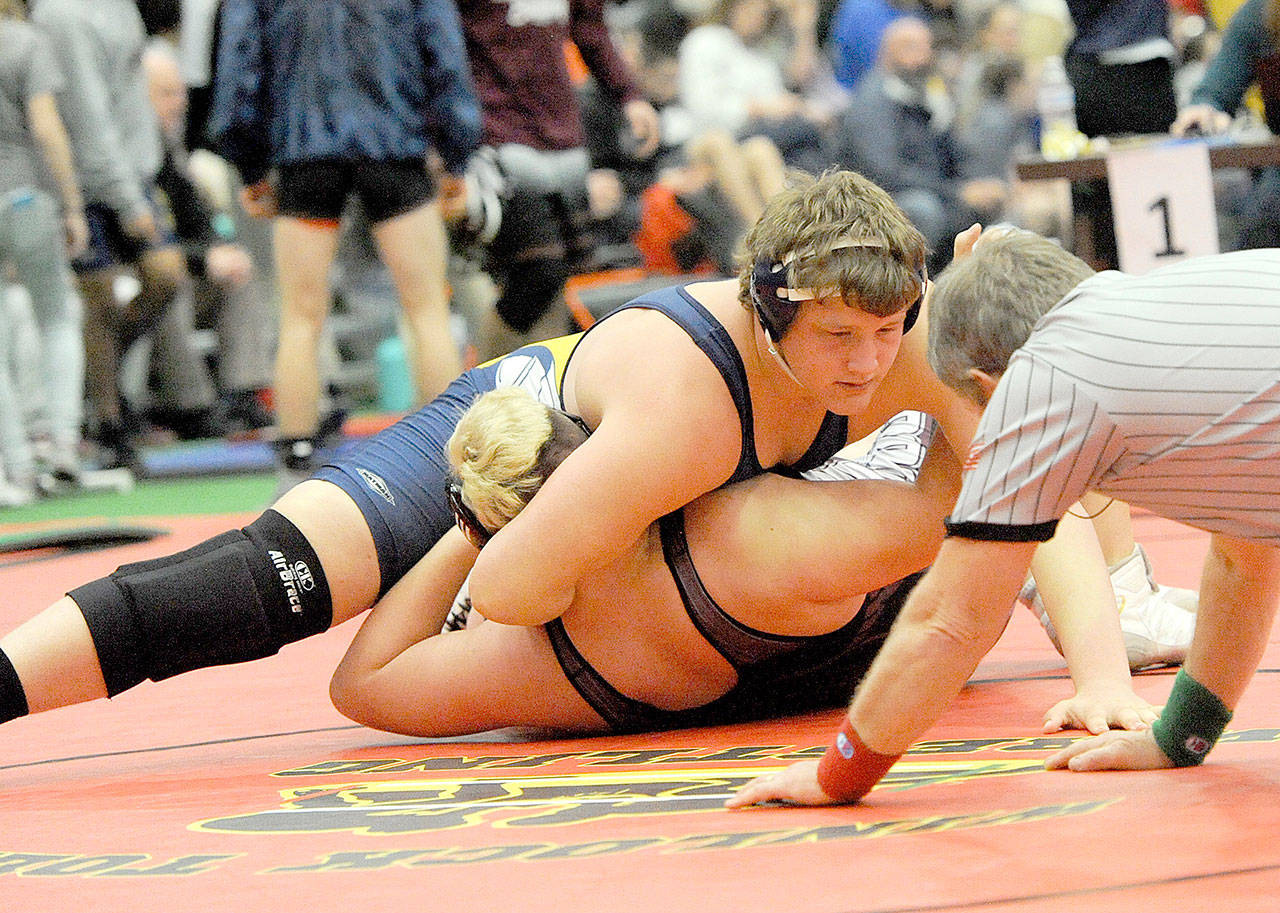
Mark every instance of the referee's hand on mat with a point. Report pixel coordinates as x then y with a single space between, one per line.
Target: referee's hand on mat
794 785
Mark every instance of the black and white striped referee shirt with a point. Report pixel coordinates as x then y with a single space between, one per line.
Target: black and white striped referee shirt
1162 390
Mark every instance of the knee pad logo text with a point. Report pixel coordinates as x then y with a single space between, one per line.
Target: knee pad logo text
295 577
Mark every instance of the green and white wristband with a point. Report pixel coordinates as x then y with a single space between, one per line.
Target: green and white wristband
1193 720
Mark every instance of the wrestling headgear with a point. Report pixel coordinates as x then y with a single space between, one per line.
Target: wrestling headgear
776 304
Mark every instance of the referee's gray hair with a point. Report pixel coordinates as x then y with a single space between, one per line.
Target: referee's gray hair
983 306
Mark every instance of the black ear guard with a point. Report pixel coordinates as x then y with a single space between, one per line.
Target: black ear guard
774 311
913 309
769 278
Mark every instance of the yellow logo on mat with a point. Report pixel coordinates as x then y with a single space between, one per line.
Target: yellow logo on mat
414 806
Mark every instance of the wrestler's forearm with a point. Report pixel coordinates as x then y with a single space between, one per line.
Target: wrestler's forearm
413 610
920 670
953 617
1071 575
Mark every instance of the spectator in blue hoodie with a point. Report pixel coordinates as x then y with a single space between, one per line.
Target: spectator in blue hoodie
316 101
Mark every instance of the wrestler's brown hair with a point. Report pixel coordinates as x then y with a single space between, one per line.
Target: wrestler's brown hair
813 219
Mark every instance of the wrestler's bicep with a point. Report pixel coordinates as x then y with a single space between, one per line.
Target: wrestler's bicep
657 447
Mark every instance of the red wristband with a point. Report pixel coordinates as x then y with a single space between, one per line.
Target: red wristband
849 768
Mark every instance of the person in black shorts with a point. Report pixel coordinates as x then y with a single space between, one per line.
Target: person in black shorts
359 119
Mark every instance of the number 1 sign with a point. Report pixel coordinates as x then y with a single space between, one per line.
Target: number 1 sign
1162 197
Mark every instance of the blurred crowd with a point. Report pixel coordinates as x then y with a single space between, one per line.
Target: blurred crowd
216 220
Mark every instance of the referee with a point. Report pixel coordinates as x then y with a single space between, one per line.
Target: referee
1162 390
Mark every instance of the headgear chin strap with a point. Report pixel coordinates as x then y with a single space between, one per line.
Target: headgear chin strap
777 356
776 304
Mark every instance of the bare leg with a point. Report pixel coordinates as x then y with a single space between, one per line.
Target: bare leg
765 165
336 529
413 247
474 295
303 254
716 154
54 655
1113 525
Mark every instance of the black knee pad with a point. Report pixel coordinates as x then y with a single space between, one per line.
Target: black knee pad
236 597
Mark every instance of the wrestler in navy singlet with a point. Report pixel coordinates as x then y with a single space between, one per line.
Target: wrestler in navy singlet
397 478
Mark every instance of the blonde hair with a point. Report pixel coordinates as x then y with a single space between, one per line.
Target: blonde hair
844 232
983 306
504 447
493 452
13 9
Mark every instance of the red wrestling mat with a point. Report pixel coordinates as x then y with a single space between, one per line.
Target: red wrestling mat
241 789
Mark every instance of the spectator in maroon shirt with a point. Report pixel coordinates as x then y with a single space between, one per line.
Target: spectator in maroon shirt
518 52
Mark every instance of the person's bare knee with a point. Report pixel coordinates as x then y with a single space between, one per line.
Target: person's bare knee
412 246
711 147
303 254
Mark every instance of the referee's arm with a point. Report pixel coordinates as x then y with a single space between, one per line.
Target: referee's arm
952 619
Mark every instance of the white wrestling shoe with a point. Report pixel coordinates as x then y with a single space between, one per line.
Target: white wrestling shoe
1157 621
460 612
896 453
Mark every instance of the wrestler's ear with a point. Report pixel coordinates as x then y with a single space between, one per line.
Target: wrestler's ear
985 383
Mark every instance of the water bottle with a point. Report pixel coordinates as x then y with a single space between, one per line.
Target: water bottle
1060 138
395 387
